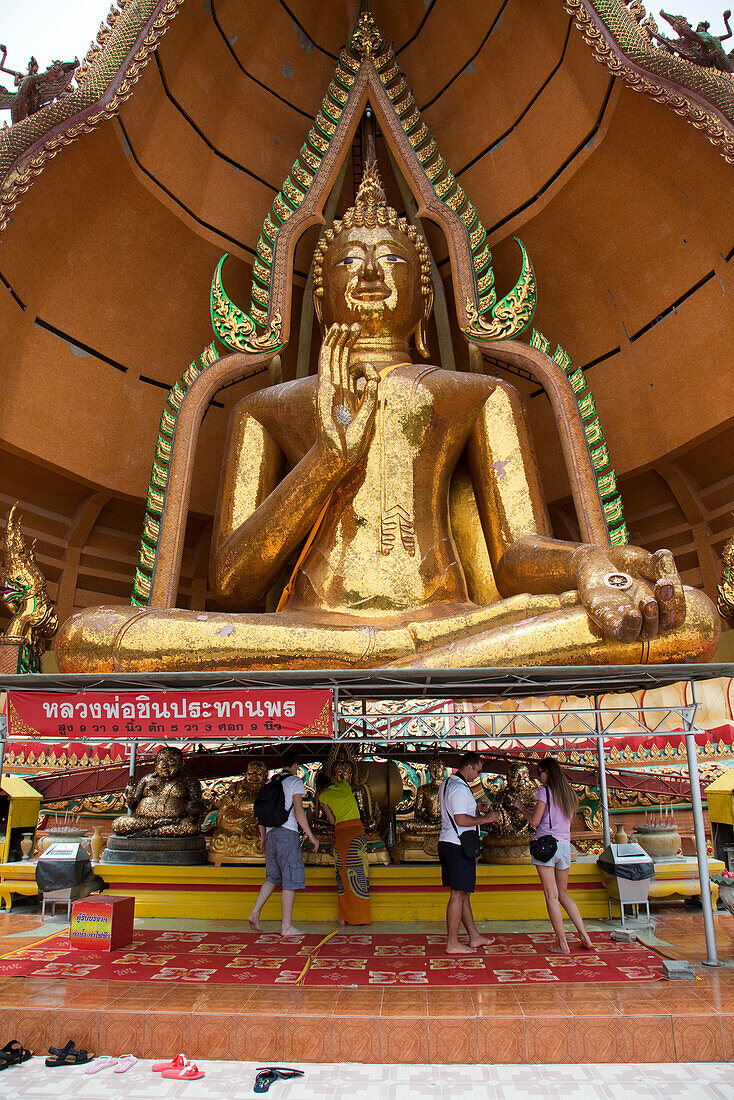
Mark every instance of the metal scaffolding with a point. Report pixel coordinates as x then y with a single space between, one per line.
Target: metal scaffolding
386 708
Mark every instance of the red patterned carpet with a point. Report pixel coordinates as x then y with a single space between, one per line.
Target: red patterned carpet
344 960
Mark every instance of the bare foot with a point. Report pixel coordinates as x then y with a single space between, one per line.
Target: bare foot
459 949
586 944
560 949
342 922
254 923
292 931
479 941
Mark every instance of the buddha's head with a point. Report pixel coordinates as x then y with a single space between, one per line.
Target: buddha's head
372 268
436 768
342 771
168 762
256 773
518 777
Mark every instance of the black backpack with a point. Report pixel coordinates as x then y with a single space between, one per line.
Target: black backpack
269 806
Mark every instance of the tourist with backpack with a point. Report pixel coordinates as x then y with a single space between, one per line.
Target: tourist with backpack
279 811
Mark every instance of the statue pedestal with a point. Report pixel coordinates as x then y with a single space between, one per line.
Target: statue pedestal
184 851
506 849
416 847
10 657
377 853
232 849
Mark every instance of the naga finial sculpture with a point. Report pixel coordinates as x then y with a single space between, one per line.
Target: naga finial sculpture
699 47
23 591
34 89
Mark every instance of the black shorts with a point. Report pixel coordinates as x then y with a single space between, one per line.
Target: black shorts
457 872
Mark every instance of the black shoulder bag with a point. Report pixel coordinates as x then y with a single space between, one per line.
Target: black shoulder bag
544 848
471 845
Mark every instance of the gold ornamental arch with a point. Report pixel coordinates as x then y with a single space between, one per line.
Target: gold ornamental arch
366 74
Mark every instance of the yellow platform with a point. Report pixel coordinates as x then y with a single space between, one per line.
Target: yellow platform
404 892
398 893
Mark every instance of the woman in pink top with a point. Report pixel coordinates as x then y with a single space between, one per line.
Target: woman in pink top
557 796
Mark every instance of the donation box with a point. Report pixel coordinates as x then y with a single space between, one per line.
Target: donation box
102 923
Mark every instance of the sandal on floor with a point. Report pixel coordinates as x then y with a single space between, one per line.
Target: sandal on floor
125 1063
189 1071
13 1053
101 1063
266 1075
68 1056
176 1063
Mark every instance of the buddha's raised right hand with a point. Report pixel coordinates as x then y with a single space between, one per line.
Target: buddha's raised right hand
345 416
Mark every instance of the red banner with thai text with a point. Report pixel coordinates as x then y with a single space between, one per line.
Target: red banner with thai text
176 715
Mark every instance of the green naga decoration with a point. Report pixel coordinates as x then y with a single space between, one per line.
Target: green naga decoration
484 318
606 479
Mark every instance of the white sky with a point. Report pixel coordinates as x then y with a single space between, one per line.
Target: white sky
63 29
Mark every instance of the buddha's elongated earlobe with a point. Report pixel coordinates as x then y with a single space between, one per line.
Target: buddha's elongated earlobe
421 332
318 307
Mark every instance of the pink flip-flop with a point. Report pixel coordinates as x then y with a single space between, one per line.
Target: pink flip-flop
100 1064
188 1072
177 1063
125 1063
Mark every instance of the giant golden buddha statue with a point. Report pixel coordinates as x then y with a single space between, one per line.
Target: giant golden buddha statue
354 474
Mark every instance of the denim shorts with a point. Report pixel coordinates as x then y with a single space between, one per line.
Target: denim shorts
561 860
283 859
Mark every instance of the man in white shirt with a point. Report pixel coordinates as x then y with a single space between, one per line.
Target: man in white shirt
458 815
282 847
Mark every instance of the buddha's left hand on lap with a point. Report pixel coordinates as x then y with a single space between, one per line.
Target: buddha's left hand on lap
653 603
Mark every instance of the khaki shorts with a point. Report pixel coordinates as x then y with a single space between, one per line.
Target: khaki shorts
283 859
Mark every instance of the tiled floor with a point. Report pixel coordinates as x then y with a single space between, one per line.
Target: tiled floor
640 1023
349 1081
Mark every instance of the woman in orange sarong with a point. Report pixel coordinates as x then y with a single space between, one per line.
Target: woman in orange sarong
350 853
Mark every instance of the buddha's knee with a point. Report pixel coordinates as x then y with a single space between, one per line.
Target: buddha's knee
696 640
86 642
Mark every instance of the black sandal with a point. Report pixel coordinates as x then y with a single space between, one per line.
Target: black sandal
67 1056
13 1053
266 1075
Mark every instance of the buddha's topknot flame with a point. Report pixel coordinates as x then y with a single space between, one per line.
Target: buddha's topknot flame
370 197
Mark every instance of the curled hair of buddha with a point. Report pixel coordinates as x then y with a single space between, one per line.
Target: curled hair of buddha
370 210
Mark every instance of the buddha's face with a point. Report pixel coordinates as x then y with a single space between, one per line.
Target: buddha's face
256 773
518 777
435 770
372 278
342 772
168 763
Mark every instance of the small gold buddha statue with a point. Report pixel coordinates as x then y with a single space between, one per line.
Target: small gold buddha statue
418 842
412 499
236 838
166 803
507 840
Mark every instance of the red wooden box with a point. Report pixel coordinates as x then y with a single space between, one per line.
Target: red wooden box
102 923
